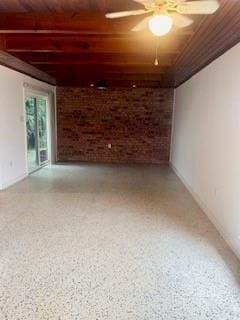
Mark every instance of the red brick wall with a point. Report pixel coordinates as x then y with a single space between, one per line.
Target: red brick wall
136 121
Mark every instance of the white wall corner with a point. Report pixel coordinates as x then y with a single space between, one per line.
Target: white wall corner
173 122
234 244
205 149
13 141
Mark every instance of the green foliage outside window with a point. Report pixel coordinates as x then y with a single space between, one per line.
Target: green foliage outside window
31 120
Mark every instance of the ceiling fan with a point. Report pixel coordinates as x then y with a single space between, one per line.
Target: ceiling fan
167 13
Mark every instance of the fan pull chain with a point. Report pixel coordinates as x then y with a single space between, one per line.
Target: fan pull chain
156 63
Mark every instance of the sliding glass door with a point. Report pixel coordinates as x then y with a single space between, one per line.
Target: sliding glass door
42 130
32 140
37 132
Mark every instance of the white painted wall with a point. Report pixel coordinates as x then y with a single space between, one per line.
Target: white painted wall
205 149
13 162
1 141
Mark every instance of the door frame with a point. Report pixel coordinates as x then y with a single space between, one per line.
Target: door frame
48 96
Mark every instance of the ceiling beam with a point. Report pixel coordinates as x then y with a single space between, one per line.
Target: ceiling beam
83 22
100 69
92 77
18 65
37 58
92 44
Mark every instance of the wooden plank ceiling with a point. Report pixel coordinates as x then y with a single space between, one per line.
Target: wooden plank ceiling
72 41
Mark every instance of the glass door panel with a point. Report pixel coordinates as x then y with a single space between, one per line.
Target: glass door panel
42 130
32 136
37 132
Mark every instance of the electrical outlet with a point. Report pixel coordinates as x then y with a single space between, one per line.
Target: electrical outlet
109 146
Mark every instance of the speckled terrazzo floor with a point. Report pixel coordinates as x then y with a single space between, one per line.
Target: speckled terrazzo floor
111 242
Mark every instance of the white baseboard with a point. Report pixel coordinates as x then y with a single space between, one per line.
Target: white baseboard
231 242
13 181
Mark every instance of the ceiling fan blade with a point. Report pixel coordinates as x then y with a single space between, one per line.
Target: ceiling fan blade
121 14
181 21
144 2
198 7
142 25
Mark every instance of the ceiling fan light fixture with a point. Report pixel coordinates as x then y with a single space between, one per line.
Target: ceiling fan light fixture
160 25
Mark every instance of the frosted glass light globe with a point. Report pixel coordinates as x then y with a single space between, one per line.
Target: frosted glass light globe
160 25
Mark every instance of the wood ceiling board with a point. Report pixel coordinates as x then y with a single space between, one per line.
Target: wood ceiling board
88 79
93 43
79 31
82 22
66 5
100 69
37 58
110 74
217 34
110 41
2 43
88 22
